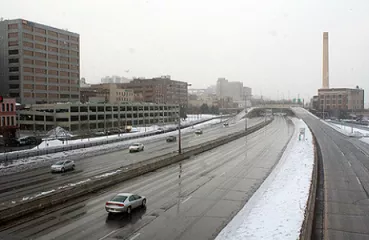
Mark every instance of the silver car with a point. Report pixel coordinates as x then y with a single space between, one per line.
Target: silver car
136 147
125 202
63 166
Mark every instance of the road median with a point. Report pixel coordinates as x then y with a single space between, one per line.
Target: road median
20 207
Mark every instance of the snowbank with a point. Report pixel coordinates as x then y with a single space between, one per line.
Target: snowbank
276 210
347 130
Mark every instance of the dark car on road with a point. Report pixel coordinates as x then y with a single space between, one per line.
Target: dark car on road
171 139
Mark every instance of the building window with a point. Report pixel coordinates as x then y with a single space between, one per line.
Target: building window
28 36
40 30
3 107
40 39
13 26
53 41
52 33
12 43
14 60
27 61
28 44
14 69
13 52
27 53
13 35
7 107
12 121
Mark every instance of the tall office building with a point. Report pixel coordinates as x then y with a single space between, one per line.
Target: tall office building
325 61
38 63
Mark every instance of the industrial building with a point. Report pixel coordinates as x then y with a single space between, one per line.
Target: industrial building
76 117
341 99
39 63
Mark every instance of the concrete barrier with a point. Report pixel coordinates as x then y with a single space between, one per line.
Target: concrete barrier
10 211
307 225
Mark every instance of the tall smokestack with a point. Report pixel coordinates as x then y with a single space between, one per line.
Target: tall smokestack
325 61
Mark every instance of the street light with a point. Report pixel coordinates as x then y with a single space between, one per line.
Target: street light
179 134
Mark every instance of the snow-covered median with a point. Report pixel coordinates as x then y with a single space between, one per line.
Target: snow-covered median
276 210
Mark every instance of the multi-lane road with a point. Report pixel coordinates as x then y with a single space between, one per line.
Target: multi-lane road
344 199
35 181
190 200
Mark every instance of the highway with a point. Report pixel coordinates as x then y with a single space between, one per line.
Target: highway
35 181
344 209
194 199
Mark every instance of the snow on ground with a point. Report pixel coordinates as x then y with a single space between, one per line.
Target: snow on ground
136 131
21 164
276 210
347 130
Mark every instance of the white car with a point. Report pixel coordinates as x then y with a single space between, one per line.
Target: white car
62 166
136 147
125 202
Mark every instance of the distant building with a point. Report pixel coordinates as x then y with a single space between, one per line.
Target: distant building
341 99
234 90
108 91
38 63
159 90
115 79
83 83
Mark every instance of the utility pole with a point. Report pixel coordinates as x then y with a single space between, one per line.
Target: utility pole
179 131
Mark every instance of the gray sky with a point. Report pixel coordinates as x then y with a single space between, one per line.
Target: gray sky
270 45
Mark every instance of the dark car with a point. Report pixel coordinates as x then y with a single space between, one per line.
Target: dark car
29 140
171 139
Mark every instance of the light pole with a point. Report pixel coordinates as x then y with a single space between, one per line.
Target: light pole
179 132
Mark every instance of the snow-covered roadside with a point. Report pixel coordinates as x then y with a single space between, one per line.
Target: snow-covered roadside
276 210
347 130
44 160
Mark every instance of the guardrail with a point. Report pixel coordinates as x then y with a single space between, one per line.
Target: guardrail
39 152
10 211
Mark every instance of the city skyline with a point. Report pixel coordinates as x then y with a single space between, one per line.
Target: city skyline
279 54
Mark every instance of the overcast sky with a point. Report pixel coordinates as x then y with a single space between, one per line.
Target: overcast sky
273 46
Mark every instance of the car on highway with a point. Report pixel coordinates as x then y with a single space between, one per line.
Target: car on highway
62 166
125 202
171 139
160 130
136 147
225 124
198 131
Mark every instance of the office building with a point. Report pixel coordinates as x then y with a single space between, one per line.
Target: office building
78 117
160 90
234 90
325 61
341 99
39 63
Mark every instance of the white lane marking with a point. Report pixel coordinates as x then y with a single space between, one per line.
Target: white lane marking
107 235
187 199
135 236
349 164
342 154
358 180
221 174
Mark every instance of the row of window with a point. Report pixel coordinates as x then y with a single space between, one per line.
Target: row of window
49 56
7 107
327 101
48 48
50 88
7 121
44 63
54 80
45 96
123 99
128 94
44 31
49 72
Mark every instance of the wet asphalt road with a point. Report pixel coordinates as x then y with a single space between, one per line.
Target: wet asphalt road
28 183
346 183
191 200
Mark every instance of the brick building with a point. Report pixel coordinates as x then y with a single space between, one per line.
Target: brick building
8 115
341 99
38 63
159 90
